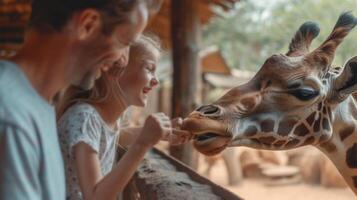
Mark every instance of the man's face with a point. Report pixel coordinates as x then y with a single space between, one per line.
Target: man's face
107 50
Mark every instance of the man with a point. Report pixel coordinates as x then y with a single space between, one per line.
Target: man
66 42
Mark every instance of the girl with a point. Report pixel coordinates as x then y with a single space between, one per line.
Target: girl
90 122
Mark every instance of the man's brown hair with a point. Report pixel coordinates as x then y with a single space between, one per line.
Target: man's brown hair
52 15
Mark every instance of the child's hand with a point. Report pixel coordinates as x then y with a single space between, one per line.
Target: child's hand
178 136
156 126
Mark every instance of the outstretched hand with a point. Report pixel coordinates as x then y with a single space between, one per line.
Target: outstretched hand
158 126
177 135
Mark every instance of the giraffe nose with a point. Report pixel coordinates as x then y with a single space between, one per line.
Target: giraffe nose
208 109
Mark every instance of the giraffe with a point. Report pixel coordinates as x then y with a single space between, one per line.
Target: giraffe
295 99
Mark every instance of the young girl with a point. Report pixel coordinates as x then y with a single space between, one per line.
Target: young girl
90 122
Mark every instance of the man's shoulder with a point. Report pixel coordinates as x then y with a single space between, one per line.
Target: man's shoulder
12 79
19 105
8 72
15 114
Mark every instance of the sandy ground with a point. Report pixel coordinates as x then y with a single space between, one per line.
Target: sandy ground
252 189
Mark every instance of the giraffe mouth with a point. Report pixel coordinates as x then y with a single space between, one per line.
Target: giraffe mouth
210 143
206 136
210 136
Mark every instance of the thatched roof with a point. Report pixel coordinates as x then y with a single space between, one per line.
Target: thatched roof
15 13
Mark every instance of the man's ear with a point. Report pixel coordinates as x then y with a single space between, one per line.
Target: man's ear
88 22
346 82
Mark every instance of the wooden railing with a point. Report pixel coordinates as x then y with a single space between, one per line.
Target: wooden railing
161 177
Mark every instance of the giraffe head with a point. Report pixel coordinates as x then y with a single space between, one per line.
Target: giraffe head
290 102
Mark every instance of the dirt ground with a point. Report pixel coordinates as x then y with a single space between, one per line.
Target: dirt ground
251 189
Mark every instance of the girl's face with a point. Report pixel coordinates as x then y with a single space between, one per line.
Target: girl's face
139 77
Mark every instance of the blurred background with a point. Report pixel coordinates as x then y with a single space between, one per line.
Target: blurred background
229 42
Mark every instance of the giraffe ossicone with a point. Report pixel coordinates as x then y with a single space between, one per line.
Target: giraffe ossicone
294 100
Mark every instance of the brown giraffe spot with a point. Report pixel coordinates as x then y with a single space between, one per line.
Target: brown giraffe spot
322 59
285 126
292 143
250 131
351 156
278 147
326 124
344 133
267 125
323 138
309 140
301 130
255 140
354 180
317 124
329 147
310 119
248 103
279 142
267 140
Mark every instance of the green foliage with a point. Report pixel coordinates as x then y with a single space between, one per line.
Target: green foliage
257 29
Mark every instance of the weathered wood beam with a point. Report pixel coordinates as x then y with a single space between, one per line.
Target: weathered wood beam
186 36
162 177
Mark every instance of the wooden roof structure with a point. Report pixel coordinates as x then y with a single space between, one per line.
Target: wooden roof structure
161 23
15 13
212 61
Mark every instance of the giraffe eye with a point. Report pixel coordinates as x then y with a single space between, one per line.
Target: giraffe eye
304 94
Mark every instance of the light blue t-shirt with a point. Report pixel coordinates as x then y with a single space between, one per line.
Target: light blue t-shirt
31 164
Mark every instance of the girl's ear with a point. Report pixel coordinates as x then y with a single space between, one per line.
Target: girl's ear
346 82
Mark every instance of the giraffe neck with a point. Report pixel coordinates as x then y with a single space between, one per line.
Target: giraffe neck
342 148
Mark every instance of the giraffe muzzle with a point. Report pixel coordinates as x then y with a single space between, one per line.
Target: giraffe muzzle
211 134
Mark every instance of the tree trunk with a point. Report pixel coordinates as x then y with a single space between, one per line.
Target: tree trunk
185 32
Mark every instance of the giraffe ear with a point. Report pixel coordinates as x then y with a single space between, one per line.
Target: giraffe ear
346 82
324 54
301 42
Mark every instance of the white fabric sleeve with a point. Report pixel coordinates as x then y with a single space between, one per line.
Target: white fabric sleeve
84 127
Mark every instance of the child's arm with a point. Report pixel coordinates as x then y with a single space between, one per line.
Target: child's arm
93 185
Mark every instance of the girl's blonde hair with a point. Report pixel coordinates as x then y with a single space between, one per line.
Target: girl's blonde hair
103 87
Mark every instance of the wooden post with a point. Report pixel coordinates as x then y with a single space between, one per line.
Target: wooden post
185 33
